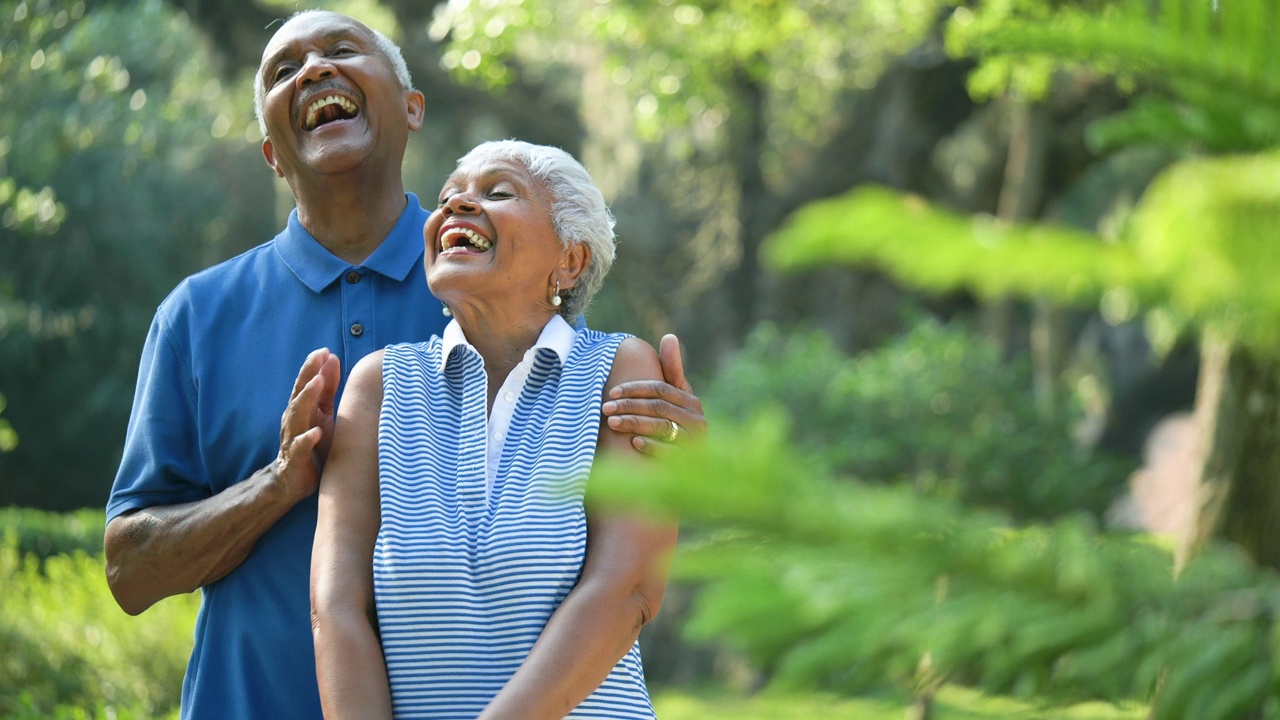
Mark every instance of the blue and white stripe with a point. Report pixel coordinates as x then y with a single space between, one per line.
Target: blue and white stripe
464 586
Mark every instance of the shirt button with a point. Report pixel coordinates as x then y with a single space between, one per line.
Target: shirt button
357 329
353 277
509 397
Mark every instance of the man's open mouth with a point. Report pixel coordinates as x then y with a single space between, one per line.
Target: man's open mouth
328 109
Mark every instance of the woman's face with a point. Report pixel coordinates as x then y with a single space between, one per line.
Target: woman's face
491 243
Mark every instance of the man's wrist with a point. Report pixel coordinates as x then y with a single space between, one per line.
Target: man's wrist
273 487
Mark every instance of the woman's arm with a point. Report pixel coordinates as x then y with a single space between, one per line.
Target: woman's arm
619 592
349 662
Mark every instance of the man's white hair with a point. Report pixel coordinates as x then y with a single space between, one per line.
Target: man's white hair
387 49
578 210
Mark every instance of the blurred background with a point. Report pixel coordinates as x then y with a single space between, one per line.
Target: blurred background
985 291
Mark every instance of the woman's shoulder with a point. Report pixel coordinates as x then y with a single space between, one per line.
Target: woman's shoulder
626 355
635 359
607 344
411 349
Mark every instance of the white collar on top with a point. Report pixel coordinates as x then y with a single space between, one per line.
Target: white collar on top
556 336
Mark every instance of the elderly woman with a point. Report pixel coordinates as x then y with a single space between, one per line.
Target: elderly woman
452 521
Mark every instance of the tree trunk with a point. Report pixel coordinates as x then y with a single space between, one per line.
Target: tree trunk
921 708
1238 411
1020 196
748 137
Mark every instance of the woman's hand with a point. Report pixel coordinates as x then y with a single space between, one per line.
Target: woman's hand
660 414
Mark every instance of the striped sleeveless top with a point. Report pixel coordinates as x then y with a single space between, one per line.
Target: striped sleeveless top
463 587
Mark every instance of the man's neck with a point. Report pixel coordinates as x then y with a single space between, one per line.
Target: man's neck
350 222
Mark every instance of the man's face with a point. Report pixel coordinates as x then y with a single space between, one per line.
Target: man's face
331 100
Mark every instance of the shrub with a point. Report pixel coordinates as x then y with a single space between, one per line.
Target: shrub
937 408
69 651
44 534
831 584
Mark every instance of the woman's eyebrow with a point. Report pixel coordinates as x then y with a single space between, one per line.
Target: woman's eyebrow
503 172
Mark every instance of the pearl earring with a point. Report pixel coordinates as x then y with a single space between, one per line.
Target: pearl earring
555 297
445 311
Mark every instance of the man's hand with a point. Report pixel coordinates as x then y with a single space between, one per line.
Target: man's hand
306 428
661 414
152 553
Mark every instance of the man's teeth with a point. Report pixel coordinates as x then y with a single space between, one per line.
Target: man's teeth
314 108
450 239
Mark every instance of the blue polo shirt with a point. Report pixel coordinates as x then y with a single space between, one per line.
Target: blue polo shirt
216 372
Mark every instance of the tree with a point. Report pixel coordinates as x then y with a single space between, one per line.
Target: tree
1196 249
114 183
707 123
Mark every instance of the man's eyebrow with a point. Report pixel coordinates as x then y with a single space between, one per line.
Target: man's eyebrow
330 36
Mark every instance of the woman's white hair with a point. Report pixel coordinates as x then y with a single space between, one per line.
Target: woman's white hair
578 210
381 43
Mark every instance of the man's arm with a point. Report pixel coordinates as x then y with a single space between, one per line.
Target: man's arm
647 409
152 553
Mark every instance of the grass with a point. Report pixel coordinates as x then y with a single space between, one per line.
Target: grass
952 703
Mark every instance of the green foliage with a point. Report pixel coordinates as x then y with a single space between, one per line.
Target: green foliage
44 534
951 703
115 149
69 651
680 61
831 583
937 408
1197 245
1214 63
1204 231
686 74
937 250
8 438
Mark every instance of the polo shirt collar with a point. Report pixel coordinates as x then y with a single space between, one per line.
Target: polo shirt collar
556 336
397 256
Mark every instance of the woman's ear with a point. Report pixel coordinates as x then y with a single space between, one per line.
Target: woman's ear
573 262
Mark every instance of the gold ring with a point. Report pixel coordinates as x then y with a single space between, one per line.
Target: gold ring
672 433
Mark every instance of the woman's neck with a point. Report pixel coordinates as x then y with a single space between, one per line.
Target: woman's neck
501 341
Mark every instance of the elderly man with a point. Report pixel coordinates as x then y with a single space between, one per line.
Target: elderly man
216 489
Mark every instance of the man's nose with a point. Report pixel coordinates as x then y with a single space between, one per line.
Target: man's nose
315 67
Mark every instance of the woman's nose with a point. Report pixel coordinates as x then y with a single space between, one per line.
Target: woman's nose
460 203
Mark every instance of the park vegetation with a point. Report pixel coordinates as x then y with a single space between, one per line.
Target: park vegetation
938 266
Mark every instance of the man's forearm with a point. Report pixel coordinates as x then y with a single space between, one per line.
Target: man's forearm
156 552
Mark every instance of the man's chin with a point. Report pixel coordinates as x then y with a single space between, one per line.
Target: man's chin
334 156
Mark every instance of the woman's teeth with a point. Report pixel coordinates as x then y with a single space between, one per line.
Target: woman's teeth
459 236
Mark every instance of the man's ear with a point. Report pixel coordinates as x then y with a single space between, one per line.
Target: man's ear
416 105
269 153
573 262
